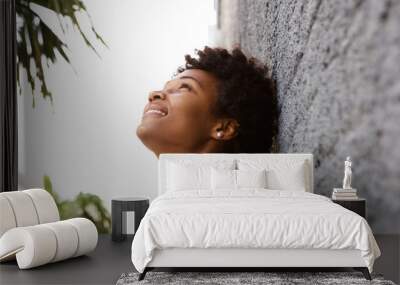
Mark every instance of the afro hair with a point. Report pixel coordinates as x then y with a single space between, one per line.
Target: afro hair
245 93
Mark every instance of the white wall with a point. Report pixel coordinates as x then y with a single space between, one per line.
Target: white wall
86 141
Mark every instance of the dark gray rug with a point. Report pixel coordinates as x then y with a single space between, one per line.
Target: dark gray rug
269 278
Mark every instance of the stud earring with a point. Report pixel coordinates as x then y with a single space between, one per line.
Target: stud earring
219 134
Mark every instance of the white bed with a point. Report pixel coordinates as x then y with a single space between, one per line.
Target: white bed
249 227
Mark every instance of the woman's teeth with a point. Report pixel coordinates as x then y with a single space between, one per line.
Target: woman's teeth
156 112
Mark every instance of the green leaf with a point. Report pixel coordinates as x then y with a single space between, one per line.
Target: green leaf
48 186
34 28
84 205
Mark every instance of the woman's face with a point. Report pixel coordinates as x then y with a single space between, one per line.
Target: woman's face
179 117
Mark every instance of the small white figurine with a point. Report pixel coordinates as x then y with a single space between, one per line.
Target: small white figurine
347 174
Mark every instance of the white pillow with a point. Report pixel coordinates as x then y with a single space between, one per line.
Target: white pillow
191 174
282 174
251 178
223 179
237 179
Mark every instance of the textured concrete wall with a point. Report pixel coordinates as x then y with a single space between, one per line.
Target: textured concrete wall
337 69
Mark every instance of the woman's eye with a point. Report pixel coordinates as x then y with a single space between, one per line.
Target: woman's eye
184 85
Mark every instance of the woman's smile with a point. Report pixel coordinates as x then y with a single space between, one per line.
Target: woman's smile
154 109
156 112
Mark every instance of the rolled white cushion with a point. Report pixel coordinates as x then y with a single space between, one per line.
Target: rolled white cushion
7 218
45 205
40 244
67 239
23 208
87 234
33 245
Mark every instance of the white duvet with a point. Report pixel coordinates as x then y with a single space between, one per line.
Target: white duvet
250 218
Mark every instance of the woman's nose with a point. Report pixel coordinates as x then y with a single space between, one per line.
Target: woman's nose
156 95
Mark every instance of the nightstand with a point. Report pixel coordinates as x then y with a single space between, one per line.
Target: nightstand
358 206
121 210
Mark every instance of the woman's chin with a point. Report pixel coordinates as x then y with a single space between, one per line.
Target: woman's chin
146 133
141 131
148 138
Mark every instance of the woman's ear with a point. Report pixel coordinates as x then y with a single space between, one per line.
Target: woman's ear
225 129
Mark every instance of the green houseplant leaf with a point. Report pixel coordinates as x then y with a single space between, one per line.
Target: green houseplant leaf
36 42
84 205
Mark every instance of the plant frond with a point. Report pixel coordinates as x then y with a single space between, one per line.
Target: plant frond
34 28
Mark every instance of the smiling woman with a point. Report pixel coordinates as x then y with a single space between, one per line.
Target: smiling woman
220 102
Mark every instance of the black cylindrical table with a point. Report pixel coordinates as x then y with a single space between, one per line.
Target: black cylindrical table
138 205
